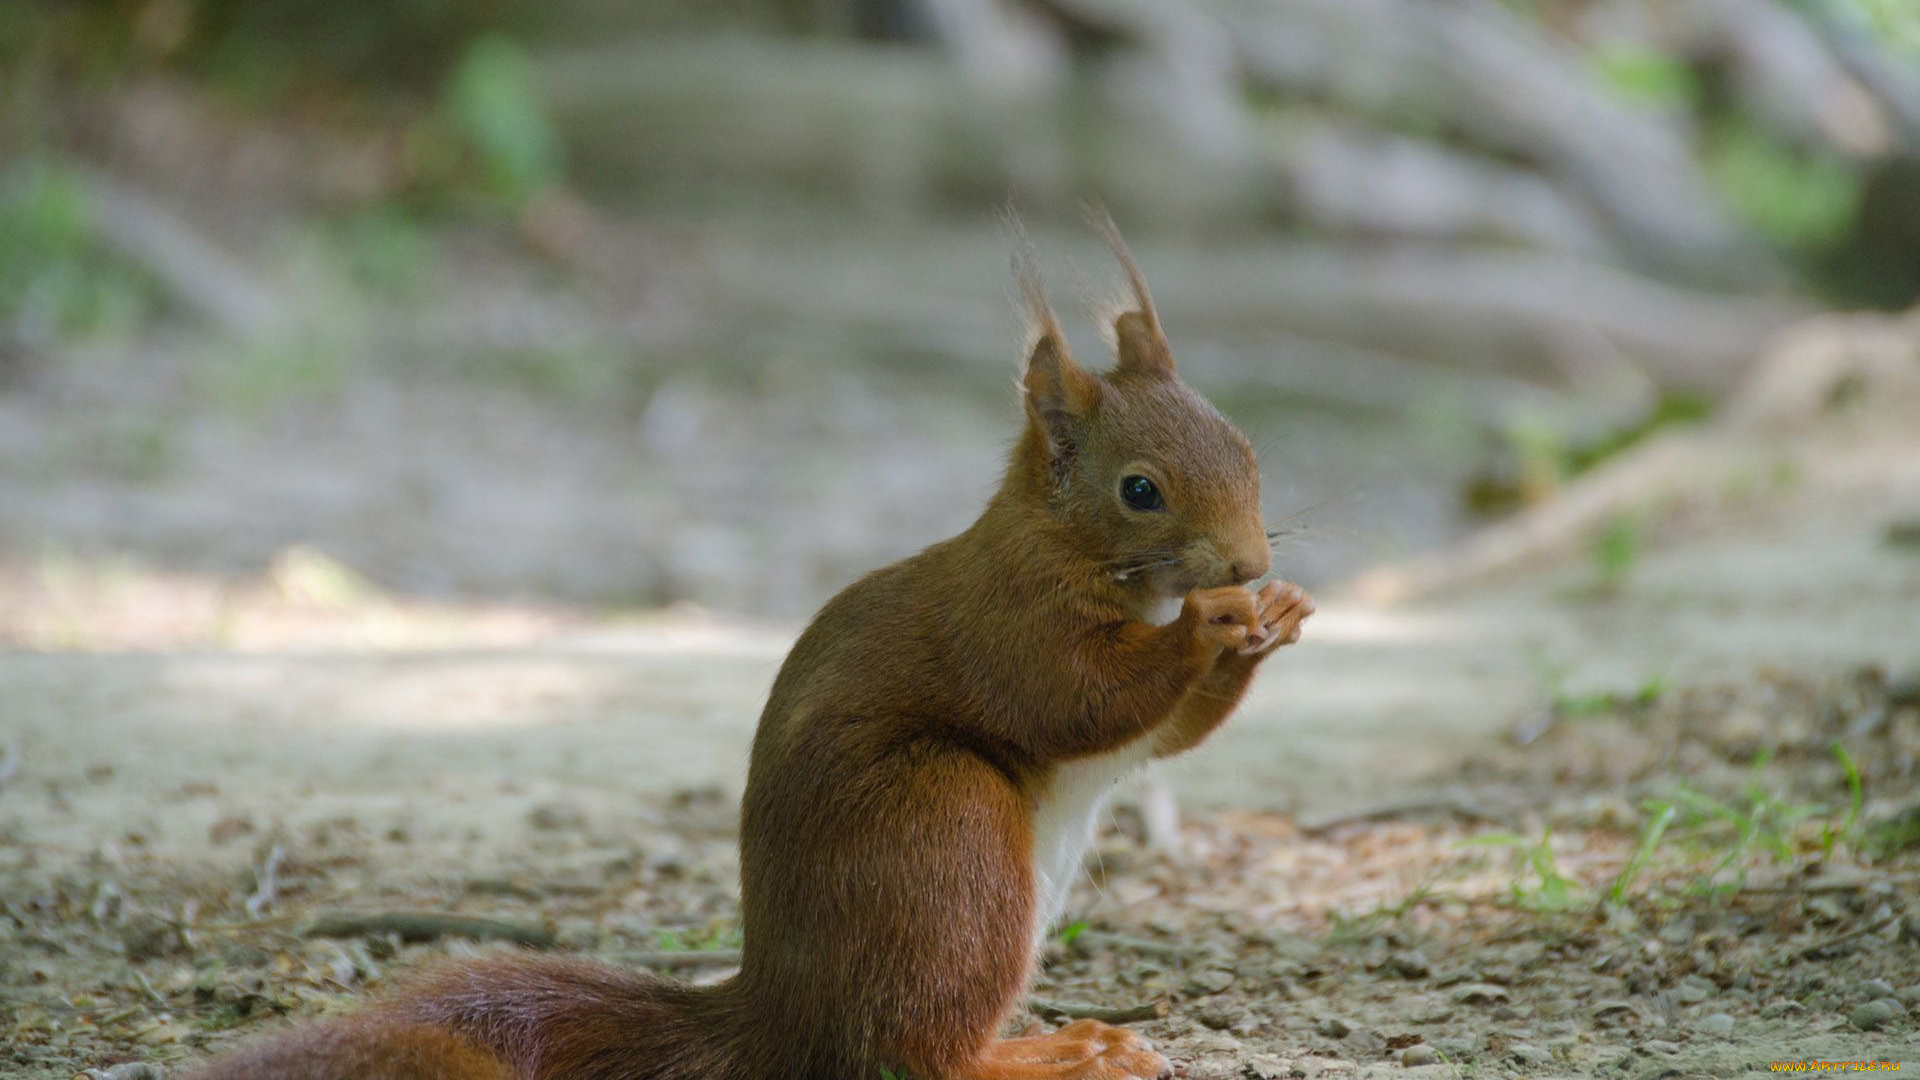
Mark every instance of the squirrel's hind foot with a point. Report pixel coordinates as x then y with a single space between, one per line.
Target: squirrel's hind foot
1083 1050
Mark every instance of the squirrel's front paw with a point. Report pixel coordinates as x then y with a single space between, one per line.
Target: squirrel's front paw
1282 607
1223 618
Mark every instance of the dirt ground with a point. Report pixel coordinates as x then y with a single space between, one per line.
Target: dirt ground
1640 818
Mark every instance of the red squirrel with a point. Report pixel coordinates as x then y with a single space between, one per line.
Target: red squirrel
926 775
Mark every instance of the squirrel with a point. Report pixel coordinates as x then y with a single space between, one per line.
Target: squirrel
926 776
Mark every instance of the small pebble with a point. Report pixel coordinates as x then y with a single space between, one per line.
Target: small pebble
1218 1018
1870 1016
1611 1009
1693 990
1526 1054
1875 989
1210 981
554 816
1333 1027
1411 964
1480 994
1265 1067
1894 1004
1660 1046
132 1070
148 936
1419 1054
1719 1025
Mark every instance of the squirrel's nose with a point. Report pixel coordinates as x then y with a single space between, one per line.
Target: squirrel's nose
1250 565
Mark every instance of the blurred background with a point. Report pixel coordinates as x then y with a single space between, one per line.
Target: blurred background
425 423
613 306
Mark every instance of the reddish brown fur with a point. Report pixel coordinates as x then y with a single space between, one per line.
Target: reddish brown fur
887 830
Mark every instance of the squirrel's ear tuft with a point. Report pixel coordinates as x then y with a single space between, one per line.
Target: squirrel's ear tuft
1059 393
1136 333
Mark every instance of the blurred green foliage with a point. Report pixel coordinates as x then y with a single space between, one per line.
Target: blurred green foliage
267 48
1640 74
383 249
1798 200
1896 23
55 279
1617 551
493 103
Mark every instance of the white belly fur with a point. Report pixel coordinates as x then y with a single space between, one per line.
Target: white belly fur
1065 820
1069 811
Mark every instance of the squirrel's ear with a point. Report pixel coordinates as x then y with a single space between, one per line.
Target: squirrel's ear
1060 394
1136 333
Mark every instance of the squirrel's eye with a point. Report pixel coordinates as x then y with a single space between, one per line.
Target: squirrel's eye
1139 493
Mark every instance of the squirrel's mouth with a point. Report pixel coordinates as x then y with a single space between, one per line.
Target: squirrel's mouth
1174 574
1178 580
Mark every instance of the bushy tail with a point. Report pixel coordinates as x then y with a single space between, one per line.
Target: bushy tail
529 1018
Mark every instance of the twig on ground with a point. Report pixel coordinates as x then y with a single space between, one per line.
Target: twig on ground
192 268
416 927
147 986
1096 939
1453 804
264 896
1824 944
1846 884
1121 1014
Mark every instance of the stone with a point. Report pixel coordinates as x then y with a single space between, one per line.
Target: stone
1870 1016
1718 1025
1527 1054
1480 994
1612 1011
132 1070
1222 1017
557 816
1333 1027
1693 990
1419 1054
1875 989
1266 1067
1210 981
146 937
1411 964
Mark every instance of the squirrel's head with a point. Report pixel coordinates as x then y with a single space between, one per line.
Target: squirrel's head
1158 489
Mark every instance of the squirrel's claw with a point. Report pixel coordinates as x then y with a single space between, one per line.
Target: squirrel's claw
1283 608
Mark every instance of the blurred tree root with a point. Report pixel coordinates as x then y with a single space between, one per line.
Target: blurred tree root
1850 364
